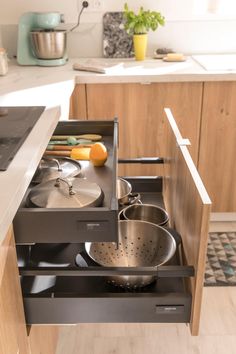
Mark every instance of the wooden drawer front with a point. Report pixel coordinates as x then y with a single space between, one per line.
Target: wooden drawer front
189 206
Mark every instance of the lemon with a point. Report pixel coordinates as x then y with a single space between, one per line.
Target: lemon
98 154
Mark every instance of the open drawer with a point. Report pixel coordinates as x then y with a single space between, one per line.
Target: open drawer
82 295
53 225
57 291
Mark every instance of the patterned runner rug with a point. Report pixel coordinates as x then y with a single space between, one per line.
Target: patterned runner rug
221 260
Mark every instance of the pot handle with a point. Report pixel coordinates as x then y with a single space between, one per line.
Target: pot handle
133 198
46 158
59 180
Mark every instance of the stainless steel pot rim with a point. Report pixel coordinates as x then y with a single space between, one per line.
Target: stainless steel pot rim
139 202
148 205
128 185
39 30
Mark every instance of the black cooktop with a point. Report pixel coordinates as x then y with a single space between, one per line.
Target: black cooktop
15 125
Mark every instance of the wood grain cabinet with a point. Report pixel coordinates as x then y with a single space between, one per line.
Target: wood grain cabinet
78 103
217 153
139 108
205 114
14 336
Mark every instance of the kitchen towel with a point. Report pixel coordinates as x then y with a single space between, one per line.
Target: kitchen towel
117 43
98 66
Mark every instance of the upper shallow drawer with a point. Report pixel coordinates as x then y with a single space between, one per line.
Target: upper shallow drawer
43 225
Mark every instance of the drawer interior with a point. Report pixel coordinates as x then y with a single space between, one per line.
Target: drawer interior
64 298
54 225
75 299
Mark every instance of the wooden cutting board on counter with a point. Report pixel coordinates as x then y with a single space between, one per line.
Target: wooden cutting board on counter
117 43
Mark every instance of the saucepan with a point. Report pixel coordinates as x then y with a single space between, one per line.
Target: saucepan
124 193
146 212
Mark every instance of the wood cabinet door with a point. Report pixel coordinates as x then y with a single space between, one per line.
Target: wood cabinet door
13 334
78 103
140 110
218 144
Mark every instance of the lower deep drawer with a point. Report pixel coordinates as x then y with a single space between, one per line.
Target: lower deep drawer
71 310
53 298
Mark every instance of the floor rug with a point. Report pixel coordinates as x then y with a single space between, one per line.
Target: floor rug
221 260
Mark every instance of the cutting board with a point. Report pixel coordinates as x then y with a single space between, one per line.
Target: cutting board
117 43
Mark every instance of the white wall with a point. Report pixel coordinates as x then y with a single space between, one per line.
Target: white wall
189 28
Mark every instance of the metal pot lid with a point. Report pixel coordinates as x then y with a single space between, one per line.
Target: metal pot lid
52 168
66 193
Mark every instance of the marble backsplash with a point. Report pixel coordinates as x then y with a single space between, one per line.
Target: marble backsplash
116 42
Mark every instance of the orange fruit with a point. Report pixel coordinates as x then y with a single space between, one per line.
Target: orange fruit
98 154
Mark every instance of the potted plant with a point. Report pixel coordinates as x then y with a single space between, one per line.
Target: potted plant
138 25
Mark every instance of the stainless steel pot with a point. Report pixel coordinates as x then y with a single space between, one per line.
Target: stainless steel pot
146 212
142 244
124 193
49 44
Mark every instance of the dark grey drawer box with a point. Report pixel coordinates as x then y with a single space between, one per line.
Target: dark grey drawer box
44 225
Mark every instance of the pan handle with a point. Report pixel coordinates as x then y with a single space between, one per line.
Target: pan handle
46 158
133 198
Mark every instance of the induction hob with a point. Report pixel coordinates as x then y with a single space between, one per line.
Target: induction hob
15 125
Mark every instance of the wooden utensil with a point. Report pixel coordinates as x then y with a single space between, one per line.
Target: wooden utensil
66 147
57 153
93 137
65 142
75 153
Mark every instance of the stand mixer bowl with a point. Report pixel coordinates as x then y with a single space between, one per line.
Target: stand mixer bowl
48 44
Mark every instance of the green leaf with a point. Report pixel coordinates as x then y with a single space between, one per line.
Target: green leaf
143 21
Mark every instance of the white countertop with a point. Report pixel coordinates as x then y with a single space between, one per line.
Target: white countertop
21 78
16 179
153 70
51 87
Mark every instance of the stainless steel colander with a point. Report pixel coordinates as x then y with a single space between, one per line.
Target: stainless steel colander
142 244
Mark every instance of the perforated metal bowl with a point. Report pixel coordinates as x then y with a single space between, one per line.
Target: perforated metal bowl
142 244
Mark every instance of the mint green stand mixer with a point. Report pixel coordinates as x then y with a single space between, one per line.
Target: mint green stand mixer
39 42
